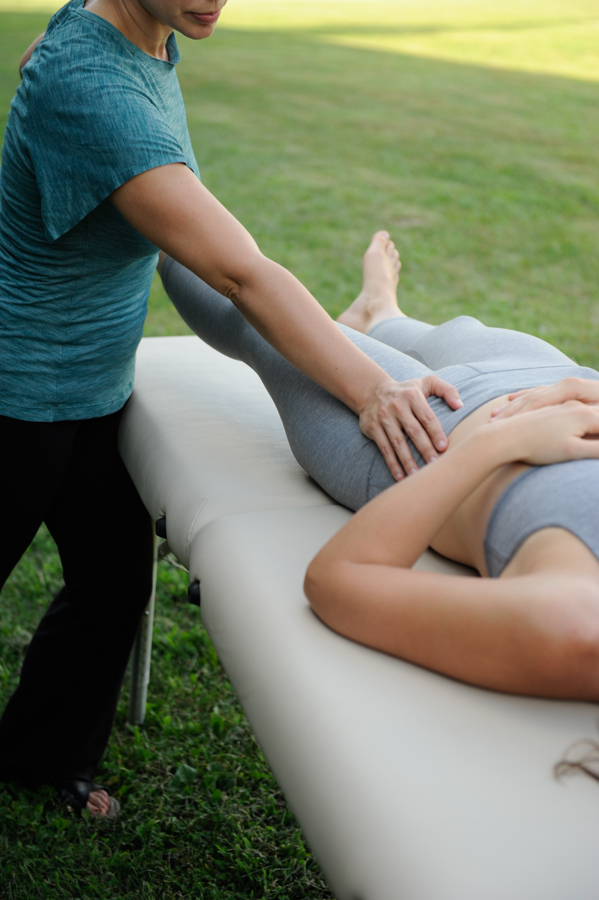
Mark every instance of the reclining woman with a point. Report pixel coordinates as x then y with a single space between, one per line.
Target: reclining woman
516 495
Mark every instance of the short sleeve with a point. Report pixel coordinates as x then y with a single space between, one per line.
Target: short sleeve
89 133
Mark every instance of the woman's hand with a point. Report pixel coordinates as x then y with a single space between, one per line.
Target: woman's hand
552 434
394 406
582 389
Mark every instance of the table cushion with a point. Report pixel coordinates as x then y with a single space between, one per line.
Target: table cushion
408 785
201 438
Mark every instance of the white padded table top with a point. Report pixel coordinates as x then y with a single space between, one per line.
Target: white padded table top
190 441
409 786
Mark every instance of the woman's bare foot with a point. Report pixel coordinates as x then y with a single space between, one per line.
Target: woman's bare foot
378 298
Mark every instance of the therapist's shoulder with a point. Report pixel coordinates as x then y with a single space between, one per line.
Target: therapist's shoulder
80 55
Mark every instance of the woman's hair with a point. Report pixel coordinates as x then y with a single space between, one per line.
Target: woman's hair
582 756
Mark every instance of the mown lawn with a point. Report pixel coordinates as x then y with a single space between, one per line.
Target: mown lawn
203 817
470 130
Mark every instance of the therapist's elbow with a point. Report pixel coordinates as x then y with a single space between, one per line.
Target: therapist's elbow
245 277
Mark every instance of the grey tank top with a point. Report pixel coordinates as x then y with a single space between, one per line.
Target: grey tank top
564 495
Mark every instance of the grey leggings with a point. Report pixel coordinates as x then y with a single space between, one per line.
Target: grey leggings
324 433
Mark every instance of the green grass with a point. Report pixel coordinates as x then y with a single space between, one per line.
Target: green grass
486 175
203 817
486 178
469 129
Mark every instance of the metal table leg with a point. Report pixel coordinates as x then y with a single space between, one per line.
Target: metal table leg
141 654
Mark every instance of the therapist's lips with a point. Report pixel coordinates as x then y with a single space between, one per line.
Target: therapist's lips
207 18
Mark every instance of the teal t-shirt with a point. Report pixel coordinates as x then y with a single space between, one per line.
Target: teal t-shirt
92 111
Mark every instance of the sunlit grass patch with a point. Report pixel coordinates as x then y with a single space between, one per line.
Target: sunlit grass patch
559 37
570 50
29 6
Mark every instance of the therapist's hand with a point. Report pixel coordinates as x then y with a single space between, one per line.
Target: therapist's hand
173 210
397 407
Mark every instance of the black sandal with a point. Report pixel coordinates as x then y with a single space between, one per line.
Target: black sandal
75 794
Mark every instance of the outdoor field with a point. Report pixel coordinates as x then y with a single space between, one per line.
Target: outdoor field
469 130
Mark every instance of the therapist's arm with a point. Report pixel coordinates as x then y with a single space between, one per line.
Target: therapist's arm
28 53
171 208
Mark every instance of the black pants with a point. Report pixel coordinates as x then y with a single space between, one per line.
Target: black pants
70 476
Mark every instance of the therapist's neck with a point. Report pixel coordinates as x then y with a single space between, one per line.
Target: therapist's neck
136 22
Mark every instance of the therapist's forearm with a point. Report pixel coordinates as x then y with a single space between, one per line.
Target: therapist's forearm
170 207
290 319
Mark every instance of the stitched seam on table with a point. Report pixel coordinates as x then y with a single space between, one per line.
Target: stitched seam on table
194 520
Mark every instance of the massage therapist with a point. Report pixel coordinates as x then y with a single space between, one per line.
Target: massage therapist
97 173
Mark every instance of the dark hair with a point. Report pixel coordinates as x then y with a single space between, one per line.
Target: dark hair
582 756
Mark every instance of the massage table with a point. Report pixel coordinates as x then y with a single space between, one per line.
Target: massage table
407 785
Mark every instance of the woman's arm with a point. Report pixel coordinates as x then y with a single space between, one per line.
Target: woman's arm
513 634
29 52
573 388
397 527
170 207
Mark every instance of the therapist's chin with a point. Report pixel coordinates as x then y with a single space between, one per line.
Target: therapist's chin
197 27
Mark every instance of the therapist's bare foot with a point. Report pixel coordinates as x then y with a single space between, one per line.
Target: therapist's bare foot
377 300
98 804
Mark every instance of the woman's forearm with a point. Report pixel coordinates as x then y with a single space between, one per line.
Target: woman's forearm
514 635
